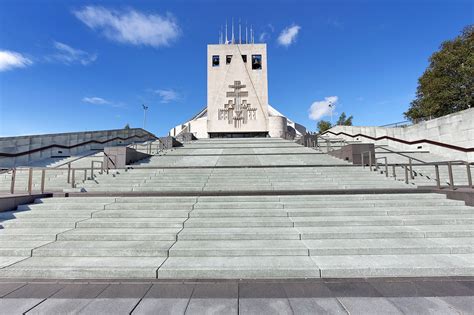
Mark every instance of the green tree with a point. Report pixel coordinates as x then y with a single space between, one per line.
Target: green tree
127 126
323 125
446 86
344 120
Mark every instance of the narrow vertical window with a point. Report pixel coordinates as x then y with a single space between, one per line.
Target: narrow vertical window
244 58
228 59
256 62
215 61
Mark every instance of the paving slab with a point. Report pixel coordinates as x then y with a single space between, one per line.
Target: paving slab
70 299
165 299
263 298
117 299
214 298
312 297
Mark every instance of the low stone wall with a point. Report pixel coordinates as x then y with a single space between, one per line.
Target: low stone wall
456 129
26 149
119 157
353 153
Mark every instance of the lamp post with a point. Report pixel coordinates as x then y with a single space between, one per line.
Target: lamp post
145 108
332 109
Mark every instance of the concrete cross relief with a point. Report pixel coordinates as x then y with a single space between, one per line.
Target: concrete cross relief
237 111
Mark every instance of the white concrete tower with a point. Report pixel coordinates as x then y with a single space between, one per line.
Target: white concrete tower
237 89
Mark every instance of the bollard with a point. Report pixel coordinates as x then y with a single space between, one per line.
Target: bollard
68 173
73 178
43 175
30 180
469 175
438 181
406 175
450 172
12 184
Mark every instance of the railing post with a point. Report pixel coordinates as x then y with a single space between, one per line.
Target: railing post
92 170
450 173
411 168
85 174
469 175
386 167
406 175
12 184
43 175
30 180
394 172
370 161
73 178
362 160
438 180
68 172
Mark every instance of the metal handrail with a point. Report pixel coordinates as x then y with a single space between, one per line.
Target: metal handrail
401 154
72 172
409 173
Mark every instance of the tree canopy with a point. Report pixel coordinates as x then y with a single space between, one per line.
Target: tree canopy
343 120
446 86
323 125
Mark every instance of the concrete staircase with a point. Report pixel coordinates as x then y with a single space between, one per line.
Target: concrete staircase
238 237
265 221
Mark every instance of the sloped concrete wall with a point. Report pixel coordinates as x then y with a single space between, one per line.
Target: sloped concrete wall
455 129
17 145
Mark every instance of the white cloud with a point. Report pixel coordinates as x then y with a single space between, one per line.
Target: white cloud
167 95
68 55
130 26
96 100
288 35
323 108
11 59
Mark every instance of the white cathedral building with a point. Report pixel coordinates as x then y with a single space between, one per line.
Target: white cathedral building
237 96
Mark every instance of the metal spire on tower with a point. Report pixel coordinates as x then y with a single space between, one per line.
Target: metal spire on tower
233 39
240 33
246 37
226 40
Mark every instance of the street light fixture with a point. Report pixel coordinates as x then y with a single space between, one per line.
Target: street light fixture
145 108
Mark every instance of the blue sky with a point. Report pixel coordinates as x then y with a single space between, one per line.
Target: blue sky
89 65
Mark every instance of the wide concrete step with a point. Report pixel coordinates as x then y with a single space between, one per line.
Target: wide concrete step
393 246
244 267
105 249
84 268
241 233
383 211
20 247
238 222
132 223
220 248
423 265
120 234
148 213
388 220
363 232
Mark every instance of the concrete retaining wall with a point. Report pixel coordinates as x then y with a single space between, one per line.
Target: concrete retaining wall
455 129
64 144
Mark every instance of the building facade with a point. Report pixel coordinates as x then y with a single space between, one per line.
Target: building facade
237 97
